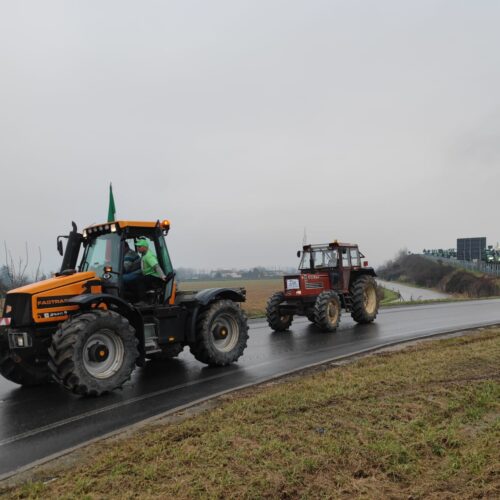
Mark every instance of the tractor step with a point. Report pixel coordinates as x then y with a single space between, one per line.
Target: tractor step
151 345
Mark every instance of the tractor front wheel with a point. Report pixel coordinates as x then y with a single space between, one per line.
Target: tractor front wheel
277 321
93 353
365 300
327 311
20 371
221 334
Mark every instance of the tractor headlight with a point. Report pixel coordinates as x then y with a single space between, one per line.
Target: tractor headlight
292 284
19 339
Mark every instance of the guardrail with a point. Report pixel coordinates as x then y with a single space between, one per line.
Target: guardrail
492 268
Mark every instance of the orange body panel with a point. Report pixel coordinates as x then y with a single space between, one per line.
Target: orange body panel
174 293
48 297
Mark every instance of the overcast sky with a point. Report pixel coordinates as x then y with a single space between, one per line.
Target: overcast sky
244 122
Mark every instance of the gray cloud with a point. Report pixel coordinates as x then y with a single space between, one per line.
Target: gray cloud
244 122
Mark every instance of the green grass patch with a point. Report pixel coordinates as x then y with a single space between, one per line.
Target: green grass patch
421 423
388 296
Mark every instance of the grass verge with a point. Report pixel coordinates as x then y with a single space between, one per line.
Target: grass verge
388 296
421 423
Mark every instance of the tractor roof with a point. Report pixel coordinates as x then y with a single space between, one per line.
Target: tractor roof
333 244
122 224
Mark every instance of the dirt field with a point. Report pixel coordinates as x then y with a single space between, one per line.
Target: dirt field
258 291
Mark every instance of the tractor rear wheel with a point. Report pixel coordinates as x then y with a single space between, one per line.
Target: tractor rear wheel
327 311
21 372
221 334
93 353
277 321
365 300
167 352
310 316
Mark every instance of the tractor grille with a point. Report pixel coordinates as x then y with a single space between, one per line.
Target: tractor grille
21 308
313 285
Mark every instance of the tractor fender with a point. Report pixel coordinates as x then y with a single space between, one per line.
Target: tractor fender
366 271
205 297
87 301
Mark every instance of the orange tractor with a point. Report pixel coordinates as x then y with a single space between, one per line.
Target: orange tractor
83 329
332 277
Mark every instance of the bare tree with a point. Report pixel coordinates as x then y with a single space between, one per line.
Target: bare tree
16 270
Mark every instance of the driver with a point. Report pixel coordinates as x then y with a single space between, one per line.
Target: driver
152 274
149 262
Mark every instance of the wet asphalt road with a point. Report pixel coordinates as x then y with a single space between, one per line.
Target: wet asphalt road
38 422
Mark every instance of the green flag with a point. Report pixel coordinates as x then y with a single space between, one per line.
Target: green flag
111 209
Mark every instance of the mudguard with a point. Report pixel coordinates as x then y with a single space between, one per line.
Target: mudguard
204 297
364 271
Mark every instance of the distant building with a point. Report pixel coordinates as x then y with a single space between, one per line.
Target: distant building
471 248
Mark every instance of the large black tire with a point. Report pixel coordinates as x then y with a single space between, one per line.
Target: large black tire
167 352
21 372
310 316
278 322
365 299
221 334
93 353
327 311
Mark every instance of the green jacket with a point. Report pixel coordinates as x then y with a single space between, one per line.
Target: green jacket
150 266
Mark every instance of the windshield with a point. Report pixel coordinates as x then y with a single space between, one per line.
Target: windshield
102 251
323 257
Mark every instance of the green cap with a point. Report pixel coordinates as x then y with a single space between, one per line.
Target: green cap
142 242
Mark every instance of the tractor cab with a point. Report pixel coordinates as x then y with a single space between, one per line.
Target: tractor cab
105 251
329 264
317 257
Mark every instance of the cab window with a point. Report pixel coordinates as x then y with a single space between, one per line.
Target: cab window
355 260
345 258
103 251
131 257
164 259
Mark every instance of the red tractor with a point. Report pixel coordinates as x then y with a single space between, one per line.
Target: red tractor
332 276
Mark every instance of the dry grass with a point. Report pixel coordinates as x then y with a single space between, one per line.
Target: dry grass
423 423
258 291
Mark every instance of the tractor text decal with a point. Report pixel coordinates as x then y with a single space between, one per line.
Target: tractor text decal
54 314
50 302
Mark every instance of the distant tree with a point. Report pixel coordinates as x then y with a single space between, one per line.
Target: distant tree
14 273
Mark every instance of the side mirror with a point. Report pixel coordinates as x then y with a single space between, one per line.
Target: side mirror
59 247
298 253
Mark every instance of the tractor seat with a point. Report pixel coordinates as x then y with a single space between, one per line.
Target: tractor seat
157 294
154 295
